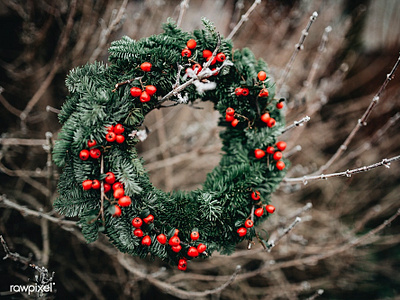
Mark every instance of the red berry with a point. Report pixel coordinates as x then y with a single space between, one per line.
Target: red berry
186 52
176 248
176 232
118 193
265 117
191 44
238 91
248 223
245 92
144 97
107 187
270 150
110 137
151 89
96 184
138 232
84 154
117 211
110 128
263 93
194 235
124 201
262 75
162 239
182 262
270 208
119 129
271 122
174 241
146 241
213 61
279 105
149 219
135 91
281 145
146 66
201 248
259 212
216 73
94 153
242 231
120 138
87 184
192 252
229 118
277 155
280 165
117 185
207 53
230 111
137 222
220 57
91 143
110 178
258 153
198 67
182 267
255 195
235 122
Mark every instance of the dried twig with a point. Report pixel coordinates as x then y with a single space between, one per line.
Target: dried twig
297 123
273 243
243 19
183 6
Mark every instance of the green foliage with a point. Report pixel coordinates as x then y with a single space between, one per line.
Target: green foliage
224 202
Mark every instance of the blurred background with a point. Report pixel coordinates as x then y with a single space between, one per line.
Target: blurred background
40 41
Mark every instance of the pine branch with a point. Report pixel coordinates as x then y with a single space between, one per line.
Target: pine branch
243 18
348 173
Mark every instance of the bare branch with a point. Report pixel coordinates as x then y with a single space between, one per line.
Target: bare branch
243 19
183 6
273 243
297 123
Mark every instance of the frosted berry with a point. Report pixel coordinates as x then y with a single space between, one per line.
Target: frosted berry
84 154
238 91
146 66
230 111
258 153
110 137
229 118
201 248
255 195
194 235
144 97
186 53
119 138
270 150
270 208
110 177
248 223
118 193
174 241
271 122
176 248
191 44
138 232
107 187
135 91
259 212
198 67
124 201
91 143
280 105
262 75
281 145
277 155
263 93
137 222
235 122
242 231
146 241
245 92
265 117
117 185
280 165
149 219
94 153
220 57
162 239
117 211
192 252
119 128
87 184
96 184
151 89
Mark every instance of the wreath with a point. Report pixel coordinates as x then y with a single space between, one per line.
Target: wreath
104 181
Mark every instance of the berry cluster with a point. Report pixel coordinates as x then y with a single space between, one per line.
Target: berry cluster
94 153
114 134
144 94
276 154
230 116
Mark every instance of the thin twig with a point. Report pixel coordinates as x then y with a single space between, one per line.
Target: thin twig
297 123
22 142
183 6
316 294
385 162
299 46
13 255
273 243
361 122
52 109
244 18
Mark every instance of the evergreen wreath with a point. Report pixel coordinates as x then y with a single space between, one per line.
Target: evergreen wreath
105 183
